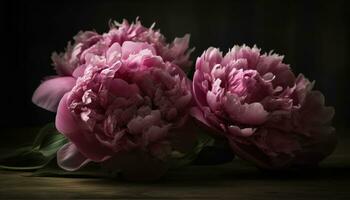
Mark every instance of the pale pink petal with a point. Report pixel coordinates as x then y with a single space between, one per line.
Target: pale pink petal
129 48
250 114
236 131
113 53
69 158
50 92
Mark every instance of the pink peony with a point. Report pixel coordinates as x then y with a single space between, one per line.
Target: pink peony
127 100
269 116
72 63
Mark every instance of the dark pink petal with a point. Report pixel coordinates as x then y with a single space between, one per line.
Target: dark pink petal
69 158
65 123
198 114
323 143
86 142
121 88
155 133
249 152
314 110
50 92
282 142
284 78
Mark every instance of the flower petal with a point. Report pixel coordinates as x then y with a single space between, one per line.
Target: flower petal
79 71
121 88
129 47
196 113
69 158
198 91
251 114
65 122
87 143
50 92
250 153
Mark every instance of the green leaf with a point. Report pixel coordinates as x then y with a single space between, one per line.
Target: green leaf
49 140
24 161
43 150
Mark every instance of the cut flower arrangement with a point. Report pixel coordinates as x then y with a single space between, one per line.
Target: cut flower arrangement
126 105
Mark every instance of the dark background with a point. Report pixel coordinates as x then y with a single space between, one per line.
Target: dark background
313 36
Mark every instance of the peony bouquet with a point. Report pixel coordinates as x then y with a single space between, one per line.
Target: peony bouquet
124 101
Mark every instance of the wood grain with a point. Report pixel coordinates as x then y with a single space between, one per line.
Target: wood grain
235 180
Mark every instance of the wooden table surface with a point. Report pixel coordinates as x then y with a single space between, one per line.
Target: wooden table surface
235 180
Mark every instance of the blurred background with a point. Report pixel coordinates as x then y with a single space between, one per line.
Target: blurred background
313 36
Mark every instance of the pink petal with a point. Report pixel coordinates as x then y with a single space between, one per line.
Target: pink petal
212 56
212 100
236 131
79 71
251 114
180 45
87 143
69 158
199 94
65 122
155 133
121 88
314 110
282 142
135 47
50 92
198 114
113 53
249 152
324 142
